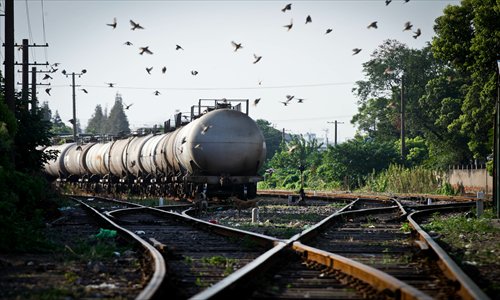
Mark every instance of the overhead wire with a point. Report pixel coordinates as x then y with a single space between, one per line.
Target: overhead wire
30 33
45 50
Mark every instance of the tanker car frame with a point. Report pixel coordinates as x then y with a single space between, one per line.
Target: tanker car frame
216 153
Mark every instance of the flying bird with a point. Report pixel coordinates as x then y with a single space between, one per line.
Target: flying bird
164 70
308 19
110 84
256 101
194 72
328 31
128 106
387 2
287 7
293 148
135 25
289 26
47 76
408 26
260 82
55 65
157 93
356 51
145 50
113 24
257 58
236 46
53 70
300 100
289 98
417 33
284 103
47 90
85 91
373 25
406 1
178 47
388 70
128 43
149 70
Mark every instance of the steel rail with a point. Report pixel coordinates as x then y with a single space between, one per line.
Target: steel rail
377 279
467 288
153 288
345 195
261 239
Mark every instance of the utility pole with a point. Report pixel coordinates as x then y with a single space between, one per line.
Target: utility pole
73 74
403 150
9 55
25 74
33 87
335 122
496 148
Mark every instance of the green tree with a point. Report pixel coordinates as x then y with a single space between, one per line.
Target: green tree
97 122
59 127
468 37
351 162
287 162
272 137
117 122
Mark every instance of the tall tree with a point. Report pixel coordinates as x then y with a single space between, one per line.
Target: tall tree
272 137
58 126
97 122
117 122
468 37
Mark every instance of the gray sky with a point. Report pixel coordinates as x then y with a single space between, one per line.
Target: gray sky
304 61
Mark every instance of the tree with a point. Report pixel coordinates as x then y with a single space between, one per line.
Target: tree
272 137
117 122
467 37
97 122
351 162
58 126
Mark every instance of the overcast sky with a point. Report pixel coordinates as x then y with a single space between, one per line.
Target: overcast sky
304 61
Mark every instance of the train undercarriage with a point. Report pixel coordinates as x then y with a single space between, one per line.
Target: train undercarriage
182 187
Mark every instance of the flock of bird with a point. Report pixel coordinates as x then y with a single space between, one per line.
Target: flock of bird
144 50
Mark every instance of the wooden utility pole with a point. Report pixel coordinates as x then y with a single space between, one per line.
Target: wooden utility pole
9 55
335 132
73 74
403 146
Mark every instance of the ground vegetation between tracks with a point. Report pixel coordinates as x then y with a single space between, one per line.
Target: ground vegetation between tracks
474 244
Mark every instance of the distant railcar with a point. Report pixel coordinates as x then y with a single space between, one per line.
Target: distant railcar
218 153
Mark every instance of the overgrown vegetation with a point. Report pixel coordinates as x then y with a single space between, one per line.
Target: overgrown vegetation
26 197
449 95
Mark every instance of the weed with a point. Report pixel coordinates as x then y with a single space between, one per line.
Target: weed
405 227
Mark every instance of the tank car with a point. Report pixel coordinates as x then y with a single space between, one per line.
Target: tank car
218 153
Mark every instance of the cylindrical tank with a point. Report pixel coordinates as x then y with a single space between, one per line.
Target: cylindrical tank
117 157
56 167
97 159
148 154
223 141
169 145
133 153
74 160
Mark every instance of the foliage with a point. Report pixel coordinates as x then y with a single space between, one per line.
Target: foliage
289 160
351 162
59 127
117 122
398 179
23 192
468 37
272 136
97 122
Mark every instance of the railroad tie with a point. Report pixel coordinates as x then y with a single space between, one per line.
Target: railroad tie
159 246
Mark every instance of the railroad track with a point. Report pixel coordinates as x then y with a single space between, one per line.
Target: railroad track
360 251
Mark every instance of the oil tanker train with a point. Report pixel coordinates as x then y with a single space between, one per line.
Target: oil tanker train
217 152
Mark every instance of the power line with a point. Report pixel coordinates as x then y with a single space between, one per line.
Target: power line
44 31
30 33
219 88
